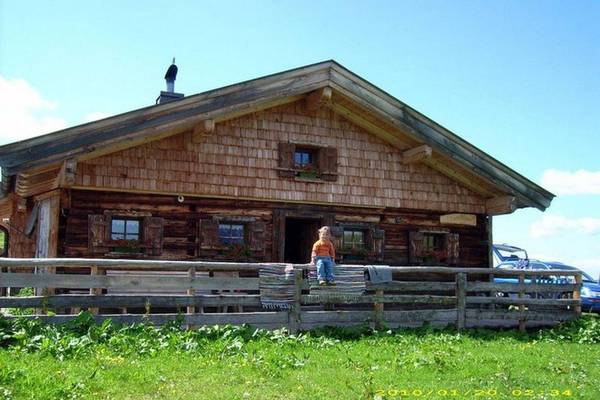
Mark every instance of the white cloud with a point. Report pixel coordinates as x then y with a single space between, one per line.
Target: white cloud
571 183
24 113
94 116
551 225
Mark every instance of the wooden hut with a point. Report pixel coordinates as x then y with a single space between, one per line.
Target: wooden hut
248 172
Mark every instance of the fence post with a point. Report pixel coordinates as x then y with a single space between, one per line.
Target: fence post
295 311
95 270
461 300
191 291
378 310
577 294
521 306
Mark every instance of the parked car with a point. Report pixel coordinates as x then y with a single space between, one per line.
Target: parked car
509 256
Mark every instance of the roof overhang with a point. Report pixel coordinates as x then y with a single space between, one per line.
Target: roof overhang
353 97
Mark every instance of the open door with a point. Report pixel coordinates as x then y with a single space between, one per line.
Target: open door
300 234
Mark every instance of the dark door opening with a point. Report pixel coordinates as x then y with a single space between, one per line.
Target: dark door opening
300 234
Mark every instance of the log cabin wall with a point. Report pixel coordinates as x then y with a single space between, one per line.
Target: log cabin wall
241 159
19 244
183 236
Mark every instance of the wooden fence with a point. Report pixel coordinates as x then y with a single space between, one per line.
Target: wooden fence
207 293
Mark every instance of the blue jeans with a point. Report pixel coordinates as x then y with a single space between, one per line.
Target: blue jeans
324 268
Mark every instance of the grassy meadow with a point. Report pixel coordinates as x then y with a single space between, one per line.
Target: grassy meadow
84 360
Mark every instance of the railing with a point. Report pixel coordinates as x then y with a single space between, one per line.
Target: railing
198 292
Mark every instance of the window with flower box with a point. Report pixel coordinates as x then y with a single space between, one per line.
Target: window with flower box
307 161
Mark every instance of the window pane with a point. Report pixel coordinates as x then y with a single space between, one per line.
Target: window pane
132 236
133 226
358 237
303 157
117 236
118 226
237 231
224 230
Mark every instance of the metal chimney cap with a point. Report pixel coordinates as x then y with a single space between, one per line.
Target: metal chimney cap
171 74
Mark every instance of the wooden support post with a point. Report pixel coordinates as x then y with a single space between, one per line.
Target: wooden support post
191 292
95 270
318 99
417 154
522 306
204 128
490 251
295 311
378 311
577 294
501 205
461 300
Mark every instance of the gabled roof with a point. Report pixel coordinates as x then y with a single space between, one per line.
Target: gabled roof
353 97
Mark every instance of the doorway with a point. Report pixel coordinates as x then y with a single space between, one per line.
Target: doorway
300 234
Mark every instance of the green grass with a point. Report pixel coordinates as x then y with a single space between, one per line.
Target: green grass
87 361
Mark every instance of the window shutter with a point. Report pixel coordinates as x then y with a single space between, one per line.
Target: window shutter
452 248
286 159
415 247
328 161
256 235
98 234
209 234
153 235
378 239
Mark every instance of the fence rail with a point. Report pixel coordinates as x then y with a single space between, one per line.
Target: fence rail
141 290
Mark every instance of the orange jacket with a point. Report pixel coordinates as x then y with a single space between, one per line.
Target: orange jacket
323 248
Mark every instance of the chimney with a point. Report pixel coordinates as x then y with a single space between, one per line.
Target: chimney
170 94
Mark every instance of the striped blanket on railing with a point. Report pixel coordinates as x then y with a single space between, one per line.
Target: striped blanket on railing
276 285
350 282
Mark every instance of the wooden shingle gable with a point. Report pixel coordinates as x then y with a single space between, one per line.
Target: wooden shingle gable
326 84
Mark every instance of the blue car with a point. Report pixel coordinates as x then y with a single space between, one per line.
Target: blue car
590 291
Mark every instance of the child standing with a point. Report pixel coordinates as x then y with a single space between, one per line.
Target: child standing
323 253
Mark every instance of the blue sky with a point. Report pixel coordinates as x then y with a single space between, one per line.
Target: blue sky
519 79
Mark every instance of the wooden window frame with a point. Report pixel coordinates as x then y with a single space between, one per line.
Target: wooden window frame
324 163
125 233
435 254
364 254
126 246
354 230
254 232
447 257
150 235
231 223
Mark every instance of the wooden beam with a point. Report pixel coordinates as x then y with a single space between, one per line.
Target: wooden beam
31 185
378 131
417 154
317 99
66 176
459 219
205 127
458 175
7 205
21 203
501 205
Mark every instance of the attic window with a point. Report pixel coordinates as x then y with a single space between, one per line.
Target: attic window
307 161
304 158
